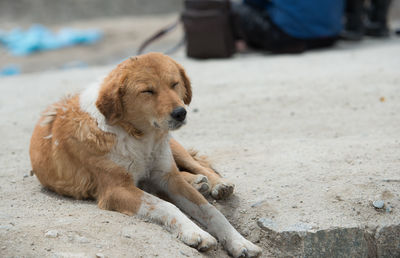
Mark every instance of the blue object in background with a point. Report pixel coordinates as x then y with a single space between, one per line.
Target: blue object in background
304 19
10 70
39 38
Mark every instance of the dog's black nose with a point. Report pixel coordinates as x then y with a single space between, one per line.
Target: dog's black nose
179 114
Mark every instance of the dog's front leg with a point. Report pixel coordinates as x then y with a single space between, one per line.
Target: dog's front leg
195 205
175 221
117 192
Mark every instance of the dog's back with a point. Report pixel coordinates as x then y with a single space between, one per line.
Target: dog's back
57 139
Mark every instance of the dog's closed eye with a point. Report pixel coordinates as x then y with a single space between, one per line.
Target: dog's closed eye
173 86
149 91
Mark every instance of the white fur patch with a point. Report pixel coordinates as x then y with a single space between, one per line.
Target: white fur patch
174 220
139 156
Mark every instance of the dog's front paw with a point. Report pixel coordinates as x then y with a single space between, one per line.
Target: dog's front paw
201 184
223 189
243 248
198 239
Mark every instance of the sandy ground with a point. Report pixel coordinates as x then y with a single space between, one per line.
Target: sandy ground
308 139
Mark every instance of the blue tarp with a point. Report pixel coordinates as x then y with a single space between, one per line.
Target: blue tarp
10 70
39 38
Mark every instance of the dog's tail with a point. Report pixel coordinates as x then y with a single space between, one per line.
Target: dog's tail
49 115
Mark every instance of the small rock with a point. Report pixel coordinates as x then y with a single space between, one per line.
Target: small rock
184 254
195 110
26 175
6 227
388 209
70 255
3 247
100 255
51 234
378 204
82 240
256 204
299 227
266 223
294 206
127 232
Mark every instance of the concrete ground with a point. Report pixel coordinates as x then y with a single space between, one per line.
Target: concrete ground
310 140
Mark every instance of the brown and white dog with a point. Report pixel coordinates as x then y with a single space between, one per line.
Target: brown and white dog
112 137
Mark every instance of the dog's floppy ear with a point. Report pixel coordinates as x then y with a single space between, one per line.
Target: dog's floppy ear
188 95
109 101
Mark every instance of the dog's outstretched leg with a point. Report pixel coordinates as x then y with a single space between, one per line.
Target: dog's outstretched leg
220 187
120 194
195 205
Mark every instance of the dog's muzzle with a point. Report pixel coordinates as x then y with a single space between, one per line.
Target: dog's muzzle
179 114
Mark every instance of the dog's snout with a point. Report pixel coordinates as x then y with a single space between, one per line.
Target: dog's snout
179 114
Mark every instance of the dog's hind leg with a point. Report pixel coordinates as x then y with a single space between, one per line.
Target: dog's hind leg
220 187
199 182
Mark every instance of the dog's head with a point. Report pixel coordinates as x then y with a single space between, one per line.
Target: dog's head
148 90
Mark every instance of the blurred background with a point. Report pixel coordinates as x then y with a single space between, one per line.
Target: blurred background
122 25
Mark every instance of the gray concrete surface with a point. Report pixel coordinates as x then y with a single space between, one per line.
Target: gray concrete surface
309 140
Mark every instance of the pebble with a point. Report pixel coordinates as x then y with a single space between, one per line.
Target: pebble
3 247
299 227
378 204
82 240
184 254
266 223
6 227
126 233
389 209
51 234
26 175
100 255
256 204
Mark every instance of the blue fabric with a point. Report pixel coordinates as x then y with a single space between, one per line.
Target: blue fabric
39 38
304 19
10 70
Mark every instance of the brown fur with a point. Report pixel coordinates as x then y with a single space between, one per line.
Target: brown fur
68 151
83 146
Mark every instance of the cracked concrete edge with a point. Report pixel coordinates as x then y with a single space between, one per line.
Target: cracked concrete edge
382 241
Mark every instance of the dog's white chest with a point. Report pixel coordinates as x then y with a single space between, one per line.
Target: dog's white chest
141 157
